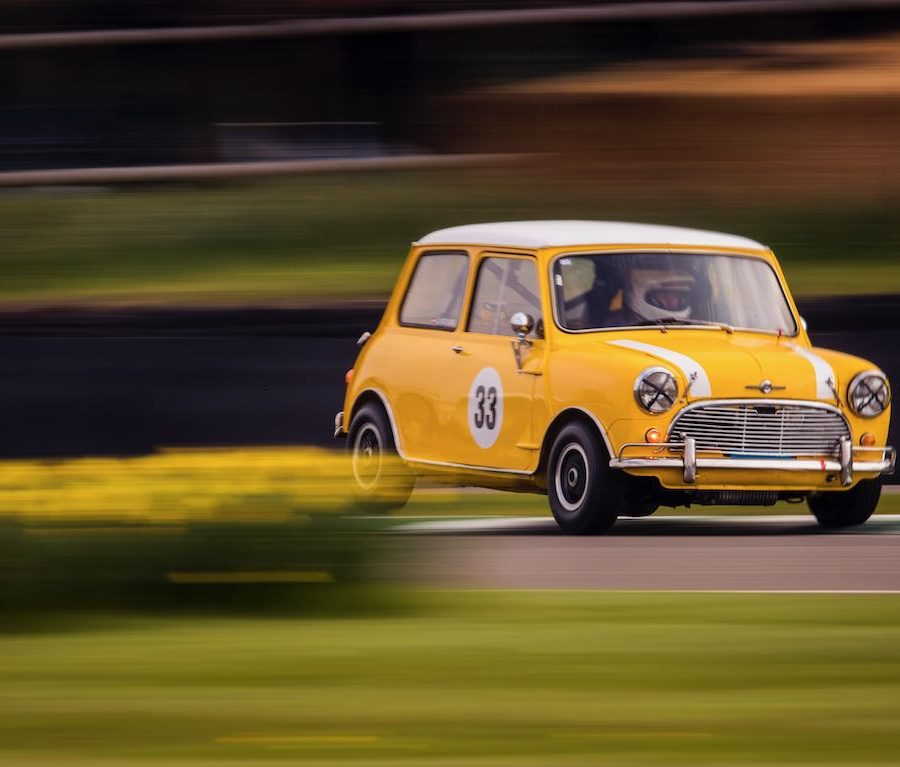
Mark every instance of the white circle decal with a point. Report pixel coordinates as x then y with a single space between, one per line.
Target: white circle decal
486 407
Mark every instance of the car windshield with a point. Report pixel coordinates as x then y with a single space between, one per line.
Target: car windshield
599 292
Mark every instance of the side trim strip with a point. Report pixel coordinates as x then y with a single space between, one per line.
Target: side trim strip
823 371
701 386
450 465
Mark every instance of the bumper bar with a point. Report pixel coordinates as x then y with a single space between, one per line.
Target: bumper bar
850 459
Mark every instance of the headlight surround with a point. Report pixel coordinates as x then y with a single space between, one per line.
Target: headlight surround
869 394
655 390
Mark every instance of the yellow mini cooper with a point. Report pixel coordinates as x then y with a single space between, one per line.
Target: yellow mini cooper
615 367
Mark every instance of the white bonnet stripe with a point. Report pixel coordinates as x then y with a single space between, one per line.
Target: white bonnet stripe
824 372
701 386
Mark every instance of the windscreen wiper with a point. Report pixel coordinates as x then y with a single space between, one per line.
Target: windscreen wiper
708 323
663 322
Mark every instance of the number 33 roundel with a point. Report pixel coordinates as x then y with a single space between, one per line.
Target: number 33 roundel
486 407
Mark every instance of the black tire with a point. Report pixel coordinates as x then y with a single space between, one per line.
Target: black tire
836 509
586 496
381 482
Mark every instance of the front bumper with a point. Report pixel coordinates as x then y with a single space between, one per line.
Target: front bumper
850 459
339 424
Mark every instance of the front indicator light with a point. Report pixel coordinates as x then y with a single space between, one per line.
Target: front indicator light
653 436
655 390
867 439
869 394
348 376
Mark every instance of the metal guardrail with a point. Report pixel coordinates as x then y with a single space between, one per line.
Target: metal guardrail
636 11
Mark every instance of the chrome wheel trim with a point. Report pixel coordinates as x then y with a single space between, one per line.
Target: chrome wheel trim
571 476
368 451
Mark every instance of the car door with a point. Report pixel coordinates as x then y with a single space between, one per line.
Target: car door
487 416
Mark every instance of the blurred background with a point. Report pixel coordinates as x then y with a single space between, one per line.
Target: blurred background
203 203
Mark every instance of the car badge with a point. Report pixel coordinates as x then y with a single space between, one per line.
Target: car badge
765 387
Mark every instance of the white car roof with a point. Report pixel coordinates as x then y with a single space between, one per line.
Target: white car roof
555 234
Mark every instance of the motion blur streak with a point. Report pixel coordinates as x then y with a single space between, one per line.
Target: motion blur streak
245 531
176 486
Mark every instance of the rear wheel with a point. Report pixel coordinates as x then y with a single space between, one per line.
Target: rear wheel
381 481
836 509
585 495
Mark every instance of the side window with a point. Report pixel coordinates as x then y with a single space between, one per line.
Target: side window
505 286
587 289
435 293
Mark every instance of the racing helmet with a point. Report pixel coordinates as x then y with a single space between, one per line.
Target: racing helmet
655 293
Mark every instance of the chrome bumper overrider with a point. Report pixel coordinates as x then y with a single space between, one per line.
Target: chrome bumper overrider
850 459
338 423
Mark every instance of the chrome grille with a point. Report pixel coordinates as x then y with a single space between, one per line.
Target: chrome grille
762 428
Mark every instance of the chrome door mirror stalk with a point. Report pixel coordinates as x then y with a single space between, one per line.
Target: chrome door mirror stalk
522 324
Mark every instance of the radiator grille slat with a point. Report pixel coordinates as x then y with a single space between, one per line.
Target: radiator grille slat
761 428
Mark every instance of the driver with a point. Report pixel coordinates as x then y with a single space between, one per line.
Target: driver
658 294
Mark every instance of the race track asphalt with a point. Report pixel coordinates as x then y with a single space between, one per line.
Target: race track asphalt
679 552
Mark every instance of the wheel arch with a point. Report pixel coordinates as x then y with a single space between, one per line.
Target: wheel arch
376 397
562 419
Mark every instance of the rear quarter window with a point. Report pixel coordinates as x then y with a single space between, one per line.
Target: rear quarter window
435 293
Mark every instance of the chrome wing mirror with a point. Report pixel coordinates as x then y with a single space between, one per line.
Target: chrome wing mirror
522 324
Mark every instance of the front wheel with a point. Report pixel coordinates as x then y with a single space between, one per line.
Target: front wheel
381 481
836 509
586 496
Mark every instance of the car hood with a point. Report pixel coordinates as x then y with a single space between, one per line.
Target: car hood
738 365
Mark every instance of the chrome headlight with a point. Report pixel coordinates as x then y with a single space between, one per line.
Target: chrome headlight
655 390
869 394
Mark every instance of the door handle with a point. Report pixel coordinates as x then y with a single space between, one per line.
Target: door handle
457 349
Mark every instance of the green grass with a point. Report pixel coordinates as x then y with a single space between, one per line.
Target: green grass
477 678
321 238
